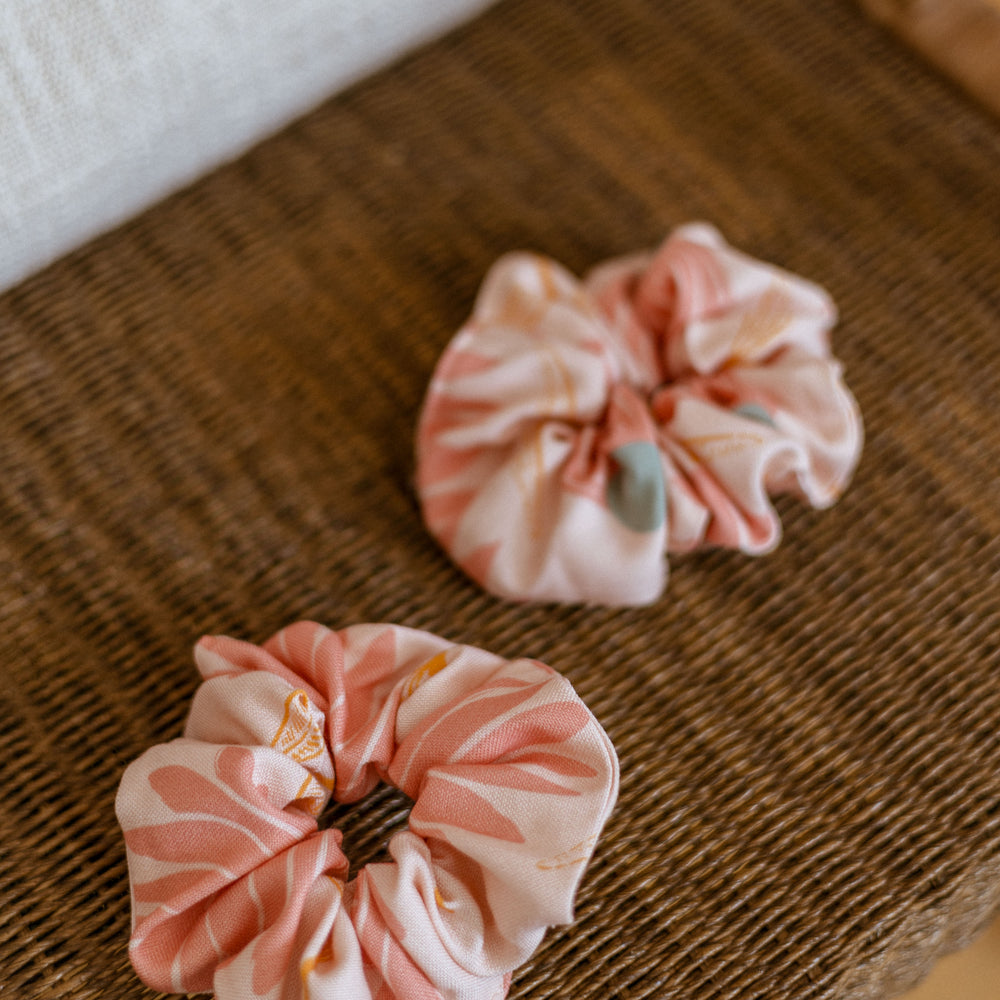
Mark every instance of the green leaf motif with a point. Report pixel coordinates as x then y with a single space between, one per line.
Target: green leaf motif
637 493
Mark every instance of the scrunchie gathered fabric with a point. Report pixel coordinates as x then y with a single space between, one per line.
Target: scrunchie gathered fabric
236 889
575 432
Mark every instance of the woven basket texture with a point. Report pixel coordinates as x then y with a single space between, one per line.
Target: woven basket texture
206 423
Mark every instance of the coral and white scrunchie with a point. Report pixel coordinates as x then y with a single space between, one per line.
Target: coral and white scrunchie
235 888
575 432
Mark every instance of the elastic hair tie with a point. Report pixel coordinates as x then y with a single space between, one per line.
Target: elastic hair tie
575 432
235 888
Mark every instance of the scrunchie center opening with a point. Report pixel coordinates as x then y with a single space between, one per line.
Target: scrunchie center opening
368 824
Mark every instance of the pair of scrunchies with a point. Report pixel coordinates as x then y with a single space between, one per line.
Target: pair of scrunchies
573 434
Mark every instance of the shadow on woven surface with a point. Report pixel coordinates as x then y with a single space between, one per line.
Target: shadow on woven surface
206 427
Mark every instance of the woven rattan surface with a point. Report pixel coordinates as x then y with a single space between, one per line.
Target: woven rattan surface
206 427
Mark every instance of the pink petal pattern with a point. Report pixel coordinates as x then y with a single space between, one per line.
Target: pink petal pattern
574 433
235 888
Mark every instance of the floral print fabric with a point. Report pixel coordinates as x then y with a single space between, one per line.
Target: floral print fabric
575 432
235 887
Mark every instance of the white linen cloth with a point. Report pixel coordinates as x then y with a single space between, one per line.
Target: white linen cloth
108 105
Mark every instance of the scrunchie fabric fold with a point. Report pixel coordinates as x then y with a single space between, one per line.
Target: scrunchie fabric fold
236 889
574 433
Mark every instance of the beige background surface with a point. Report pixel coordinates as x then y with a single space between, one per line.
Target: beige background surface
973 974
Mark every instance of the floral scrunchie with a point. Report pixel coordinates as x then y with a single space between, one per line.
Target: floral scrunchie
236 889
575 432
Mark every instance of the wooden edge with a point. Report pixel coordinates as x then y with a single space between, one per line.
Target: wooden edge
962 37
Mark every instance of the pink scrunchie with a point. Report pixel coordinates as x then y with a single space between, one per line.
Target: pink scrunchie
234 887
573 433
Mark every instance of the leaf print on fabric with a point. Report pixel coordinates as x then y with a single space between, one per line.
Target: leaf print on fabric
300 737
444 802
578 854
483 727
236 890
510 773
230 804
221 826
394 972
218 655
575 433
493 443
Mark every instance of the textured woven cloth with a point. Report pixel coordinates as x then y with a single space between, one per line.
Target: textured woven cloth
207 426
107 105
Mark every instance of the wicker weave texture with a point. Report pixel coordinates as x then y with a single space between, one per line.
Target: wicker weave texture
207 420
